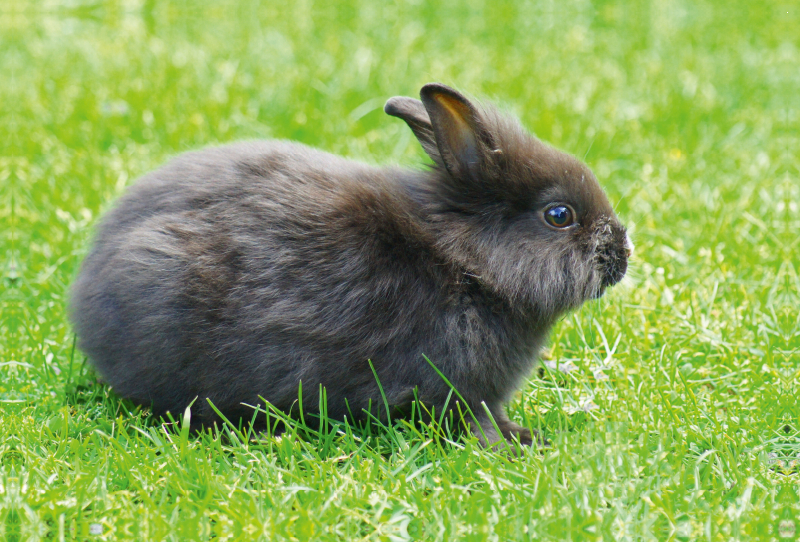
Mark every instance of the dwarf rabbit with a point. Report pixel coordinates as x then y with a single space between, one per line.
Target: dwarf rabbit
246 270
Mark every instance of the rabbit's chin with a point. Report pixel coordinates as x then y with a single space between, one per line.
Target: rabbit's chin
597 293
598 290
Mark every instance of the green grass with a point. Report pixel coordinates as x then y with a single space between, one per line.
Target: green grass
671 404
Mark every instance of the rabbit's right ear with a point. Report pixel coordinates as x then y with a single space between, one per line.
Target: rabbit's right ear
465 144
413 112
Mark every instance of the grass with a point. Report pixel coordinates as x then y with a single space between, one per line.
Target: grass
671 404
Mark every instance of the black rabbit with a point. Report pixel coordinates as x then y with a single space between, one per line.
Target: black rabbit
242 271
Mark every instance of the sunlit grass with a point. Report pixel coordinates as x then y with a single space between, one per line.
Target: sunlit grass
670 405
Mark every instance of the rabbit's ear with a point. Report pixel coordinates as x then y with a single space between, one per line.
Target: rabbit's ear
413 112
463 141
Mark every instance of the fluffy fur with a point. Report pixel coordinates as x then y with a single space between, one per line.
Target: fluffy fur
241 271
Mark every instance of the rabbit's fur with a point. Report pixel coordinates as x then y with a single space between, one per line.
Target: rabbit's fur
242 271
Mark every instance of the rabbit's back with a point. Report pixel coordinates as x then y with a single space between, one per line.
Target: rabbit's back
240 271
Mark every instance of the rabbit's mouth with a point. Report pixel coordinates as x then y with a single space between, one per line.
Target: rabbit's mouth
611 249
612 260
608 277
614 271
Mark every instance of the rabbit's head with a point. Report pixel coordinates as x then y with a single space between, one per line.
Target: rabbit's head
529 222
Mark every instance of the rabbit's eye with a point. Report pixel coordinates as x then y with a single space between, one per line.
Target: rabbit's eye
559 216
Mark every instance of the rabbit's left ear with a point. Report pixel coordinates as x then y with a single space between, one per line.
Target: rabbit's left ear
413 112
463 141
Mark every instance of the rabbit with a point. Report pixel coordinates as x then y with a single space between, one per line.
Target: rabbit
254 269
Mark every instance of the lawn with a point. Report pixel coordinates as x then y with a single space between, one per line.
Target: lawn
670 404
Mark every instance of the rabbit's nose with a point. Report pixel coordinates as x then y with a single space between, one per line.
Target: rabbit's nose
629 246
